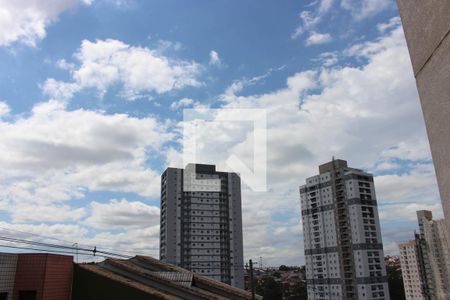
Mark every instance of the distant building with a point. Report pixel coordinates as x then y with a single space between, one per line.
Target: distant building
201 222
37 276
434 247
427 31
411 270
342 237
426 259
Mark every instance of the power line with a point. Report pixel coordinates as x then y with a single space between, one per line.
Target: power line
72 242
94 251
46 250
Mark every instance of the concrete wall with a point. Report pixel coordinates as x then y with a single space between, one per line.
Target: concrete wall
427 29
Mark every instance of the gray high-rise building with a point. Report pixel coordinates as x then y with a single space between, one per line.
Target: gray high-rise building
201 222
342 238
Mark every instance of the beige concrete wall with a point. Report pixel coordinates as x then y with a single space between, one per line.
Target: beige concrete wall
427 29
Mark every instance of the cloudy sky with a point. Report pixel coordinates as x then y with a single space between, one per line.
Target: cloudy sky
92 94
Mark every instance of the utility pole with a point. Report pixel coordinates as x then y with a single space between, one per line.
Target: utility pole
76 251
252 284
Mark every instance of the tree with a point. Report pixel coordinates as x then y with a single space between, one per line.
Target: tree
269 289
283 268
395 281
299 292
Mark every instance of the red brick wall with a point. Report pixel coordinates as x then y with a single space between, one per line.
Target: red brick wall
49 275
30 274
58 277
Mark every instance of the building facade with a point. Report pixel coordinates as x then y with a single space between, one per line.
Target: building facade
410 261
35 276
342 238
201 222
434 248
427 32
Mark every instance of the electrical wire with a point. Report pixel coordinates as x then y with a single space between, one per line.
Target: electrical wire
72 243
94 251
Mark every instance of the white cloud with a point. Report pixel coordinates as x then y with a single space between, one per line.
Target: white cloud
59 90
44 165
393 22
65 232
317 38
121 214
26 21
311 19
138 70
407 211
4 109
410 187
143 241
214 59
327 59
64 65
361 9
409 150
45 213
184 102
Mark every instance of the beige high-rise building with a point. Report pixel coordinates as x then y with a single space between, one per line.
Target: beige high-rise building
425 267
427 29
344 254
435 251
411 270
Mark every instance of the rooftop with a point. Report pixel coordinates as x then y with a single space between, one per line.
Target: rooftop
162 280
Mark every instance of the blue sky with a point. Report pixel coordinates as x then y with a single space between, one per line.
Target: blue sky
92 94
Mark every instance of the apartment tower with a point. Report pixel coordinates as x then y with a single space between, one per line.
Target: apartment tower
434 249
342 238
410 260
201 222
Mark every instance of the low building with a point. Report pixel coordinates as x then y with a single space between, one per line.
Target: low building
143 277
41 276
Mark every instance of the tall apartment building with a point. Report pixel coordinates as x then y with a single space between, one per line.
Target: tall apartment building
410 260
342 238
434 247
201 222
